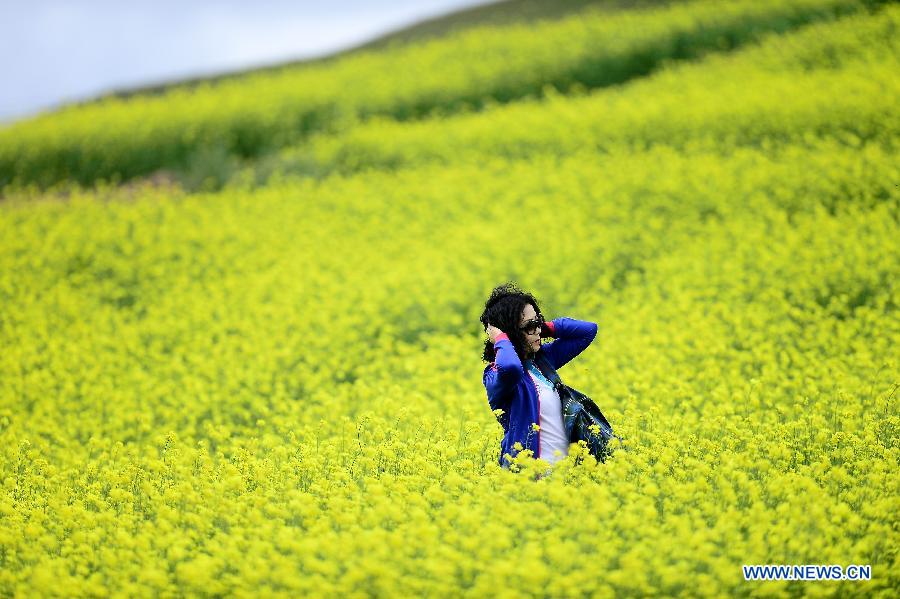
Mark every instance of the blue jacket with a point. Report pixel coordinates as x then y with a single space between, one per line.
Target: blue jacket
509 387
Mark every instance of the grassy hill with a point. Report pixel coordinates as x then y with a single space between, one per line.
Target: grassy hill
503 12
268 379
243 119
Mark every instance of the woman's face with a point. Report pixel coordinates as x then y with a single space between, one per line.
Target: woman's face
532 339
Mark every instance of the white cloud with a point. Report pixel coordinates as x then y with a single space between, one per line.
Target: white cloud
63 51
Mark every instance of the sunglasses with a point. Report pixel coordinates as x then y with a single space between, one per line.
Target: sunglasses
532 326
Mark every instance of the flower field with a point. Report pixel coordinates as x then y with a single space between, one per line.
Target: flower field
275 388
249 116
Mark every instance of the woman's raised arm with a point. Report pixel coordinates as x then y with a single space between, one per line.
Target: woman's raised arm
506 370
572 337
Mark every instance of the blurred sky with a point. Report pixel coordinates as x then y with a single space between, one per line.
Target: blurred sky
55 51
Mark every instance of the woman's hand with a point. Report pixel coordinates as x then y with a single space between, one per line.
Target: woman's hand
545 330
492 332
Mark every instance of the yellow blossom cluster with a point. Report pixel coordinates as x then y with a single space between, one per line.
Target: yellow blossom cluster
834 79
276 390
247 116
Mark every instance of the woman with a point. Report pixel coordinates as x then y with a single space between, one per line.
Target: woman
532 412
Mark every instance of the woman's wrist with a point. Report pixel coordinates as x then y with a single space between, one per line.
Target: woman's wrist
548 329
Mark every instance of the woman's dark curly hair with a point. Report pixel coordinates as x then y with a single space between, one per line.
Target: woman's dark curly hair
504 310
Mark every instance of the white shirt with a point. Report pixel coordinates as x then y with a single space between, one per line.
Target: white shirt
553 433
